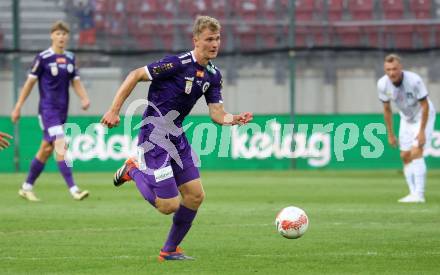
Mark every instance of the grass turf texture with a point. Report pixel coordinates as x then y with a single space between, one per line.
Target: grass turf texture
356 226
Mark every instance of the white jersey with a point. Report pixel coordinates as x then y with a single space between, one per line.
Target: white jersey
406 96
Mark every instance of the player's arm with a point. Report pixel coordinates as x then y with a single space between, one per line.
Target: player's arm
220 116
79 89
388 117
424 120
24 93
111 118
4 143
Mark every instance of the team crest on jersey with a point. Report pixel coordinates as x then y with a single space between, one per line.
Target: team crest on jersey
54 70
205 87
70 68
188 84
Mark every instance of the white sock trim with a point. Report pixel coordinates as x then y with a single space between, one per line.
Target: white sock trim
27 186
73 189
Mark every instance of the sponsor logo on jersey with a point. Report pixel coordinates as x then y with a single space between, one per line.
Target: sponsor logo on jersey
188 84
205 87
54 70
162 68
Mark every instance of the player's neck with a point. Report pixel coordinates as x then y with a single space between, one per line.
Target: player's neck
57 50
199 59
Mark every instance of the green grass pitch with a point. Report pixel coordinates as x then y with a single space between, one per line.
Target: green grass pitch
356 226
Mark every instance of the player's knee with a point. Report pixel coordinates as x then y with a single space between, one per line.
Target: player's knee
168 207
197 199
47 149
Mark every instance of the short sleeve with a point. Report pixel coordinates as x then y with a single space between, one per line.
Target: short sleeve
163 68
382 91
420 89
37 67
214 92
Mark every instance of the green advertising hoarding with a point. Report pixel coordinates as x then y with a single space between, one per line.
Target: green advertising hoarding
269 142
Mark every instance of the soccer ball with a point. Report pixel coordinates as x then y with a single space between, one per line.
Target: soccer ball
292 222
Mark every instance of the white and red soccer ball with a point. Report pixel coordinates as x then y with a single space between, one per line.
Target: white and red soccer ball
292 222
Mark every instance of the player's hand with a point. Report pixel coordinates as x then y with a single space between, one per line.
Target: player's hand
242 118
421 139
85 104
4 143
110 119
392 140
15 115
246 117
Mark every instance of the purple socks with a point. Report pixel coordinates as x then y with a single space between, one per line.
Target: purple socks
66 171
182 222
35 170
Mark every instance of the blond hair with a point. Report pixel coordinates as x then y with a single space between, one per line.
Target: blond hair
392 57
202 22
60 26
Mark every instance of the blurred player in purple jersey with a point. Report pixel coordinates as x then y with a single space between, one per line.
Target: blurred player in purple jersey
166 164
54 69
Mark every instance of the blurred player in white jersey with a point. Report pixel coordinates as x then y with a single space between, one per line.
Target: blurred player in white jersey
417 116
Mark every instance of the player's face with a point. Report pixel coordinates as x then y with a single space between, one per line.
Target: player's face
59 39
207 44
393 70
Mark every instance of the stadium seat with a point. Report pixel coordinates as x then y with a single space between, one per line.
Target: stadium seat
335 10
190 9
247 36
393 9
247 9
361 9
304 10
421 9
270 9
400 37
349 36
217 8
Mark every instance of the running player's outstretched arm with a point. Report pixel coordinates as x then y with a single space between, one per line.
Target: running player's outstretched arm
220 116
79 89
111 118
24 93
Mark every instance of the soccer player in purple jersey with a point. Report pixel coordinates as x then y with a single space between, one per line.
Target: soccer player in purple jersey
54 69
166 162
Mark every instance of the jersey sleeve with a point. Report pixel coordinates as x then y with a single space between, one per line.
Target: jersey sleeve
37 67
214 92
420 89
163 68
381 90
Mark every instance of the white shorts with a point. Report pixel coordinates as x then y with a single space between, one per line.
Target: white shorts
408 133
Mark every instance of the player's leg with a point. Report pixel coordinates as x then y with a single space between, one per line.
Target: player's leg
37 166
418 161
66 171
191 190
405 144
